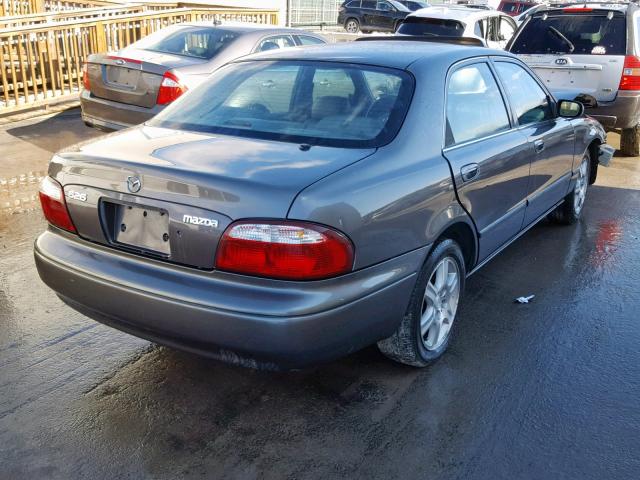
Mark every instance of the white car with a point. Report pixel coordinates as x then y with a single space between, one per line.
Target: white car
492 27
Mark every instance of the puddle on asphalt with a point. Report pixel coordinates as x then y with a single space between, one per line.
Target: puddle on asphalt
19 194
607 241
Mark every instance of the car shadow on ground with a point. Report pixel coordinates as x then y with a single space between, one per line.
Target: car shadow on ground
57 131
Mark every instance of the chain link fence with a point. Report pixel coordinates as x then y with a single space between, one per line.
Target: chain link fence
313 12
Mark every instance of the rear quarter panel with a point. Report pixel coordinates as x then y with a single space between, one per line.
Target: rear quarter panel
402 197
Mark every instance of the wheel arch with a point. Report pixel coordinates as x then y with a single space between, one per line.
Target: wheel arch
464 234
593 152
352 17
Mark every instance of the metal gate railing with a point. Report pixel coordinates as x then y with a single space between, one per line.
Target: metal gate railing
313 12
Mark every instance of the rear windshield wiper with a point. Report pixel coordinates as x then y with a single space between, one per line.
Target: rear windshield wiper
556 33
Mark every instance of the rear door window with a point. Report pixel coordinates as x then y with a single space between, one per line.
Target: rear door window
475 108
275 42
578 34
306 40
528 99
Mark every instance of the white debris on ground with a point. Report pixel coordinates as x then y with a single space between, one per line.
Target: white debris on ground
524 299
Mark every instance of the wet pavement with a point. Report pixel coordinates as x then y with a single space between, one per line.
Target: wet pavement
545 390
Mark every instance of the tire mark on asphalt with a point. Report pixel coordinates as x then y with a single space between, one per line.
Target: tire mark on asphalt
129 362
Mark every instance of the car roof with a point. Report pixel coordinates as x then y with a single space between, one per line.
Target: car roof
246 27
383 53
621 7
454 12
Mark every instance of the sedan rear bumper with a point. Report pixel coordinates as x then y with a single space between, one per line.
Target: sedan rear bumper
251 321
110 115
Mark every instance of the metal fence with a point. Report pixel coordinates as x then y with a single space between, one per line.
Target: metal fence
313 12
42 63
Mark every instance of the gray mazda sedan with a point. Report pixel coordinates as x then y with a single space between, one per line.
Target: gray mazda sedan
129 86
303 204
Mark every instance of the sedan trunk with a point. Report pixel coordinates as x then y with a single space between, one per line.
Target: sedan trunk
132 76
192 186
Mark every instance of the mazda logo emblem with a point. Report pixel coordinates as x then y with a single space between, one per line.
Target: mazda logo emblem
561 61
120 62
134 184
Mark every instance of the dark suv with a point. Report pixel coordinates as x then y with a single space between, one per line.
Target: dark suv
371 15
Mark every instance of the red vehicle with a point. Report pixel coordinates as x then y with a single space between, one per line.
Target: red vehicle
515 8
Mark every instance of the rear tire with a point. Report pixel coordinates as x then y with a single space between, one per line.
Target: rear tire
630 141
352 25
425 330
569 212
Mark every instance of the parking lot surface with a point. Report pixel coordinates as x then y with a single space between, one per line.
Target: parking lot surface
544 390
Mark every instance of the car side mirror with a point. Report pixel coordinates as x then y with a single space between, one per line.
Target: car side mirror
569 109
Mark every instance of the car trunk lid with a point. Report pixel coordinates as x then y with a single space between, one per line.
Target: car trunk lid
191 186
132 76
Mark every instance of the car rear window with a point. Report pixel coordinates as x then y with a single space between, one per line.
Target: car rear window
319 103
514 8
432 27
581 34
197 42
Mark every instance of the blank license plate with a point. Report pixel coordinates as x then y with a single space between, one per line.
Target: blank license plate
143 228
125 77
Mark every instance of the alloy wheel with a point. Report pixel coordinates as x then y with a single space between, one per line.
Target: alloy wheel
440 303
352 26
580 191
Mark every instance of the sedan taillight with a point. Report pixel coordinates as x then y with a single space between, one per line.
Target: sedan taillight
54 205
85 77
284 250
630 79
170 88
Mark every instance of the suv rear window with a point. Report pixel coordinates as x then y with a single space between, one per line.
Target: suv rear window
578 34
320 103
431 27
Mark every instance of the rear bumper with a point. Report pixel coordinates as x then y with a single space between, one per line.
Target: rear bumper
250 321
110 115
623 112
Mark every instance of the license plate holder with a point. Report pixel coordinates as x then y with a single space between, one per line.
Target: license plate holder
123 77
143 228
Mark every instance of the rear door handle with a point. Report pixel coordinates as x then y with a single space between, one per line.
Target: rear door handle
538 145
469 172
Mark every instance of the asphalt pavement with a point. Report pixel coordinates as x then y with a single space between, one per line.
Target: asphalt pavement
546 390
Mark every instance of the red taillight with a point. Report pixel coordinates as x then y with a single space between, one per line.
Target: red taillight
170 89
576 9
284 250
54 206
630 79
85 77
